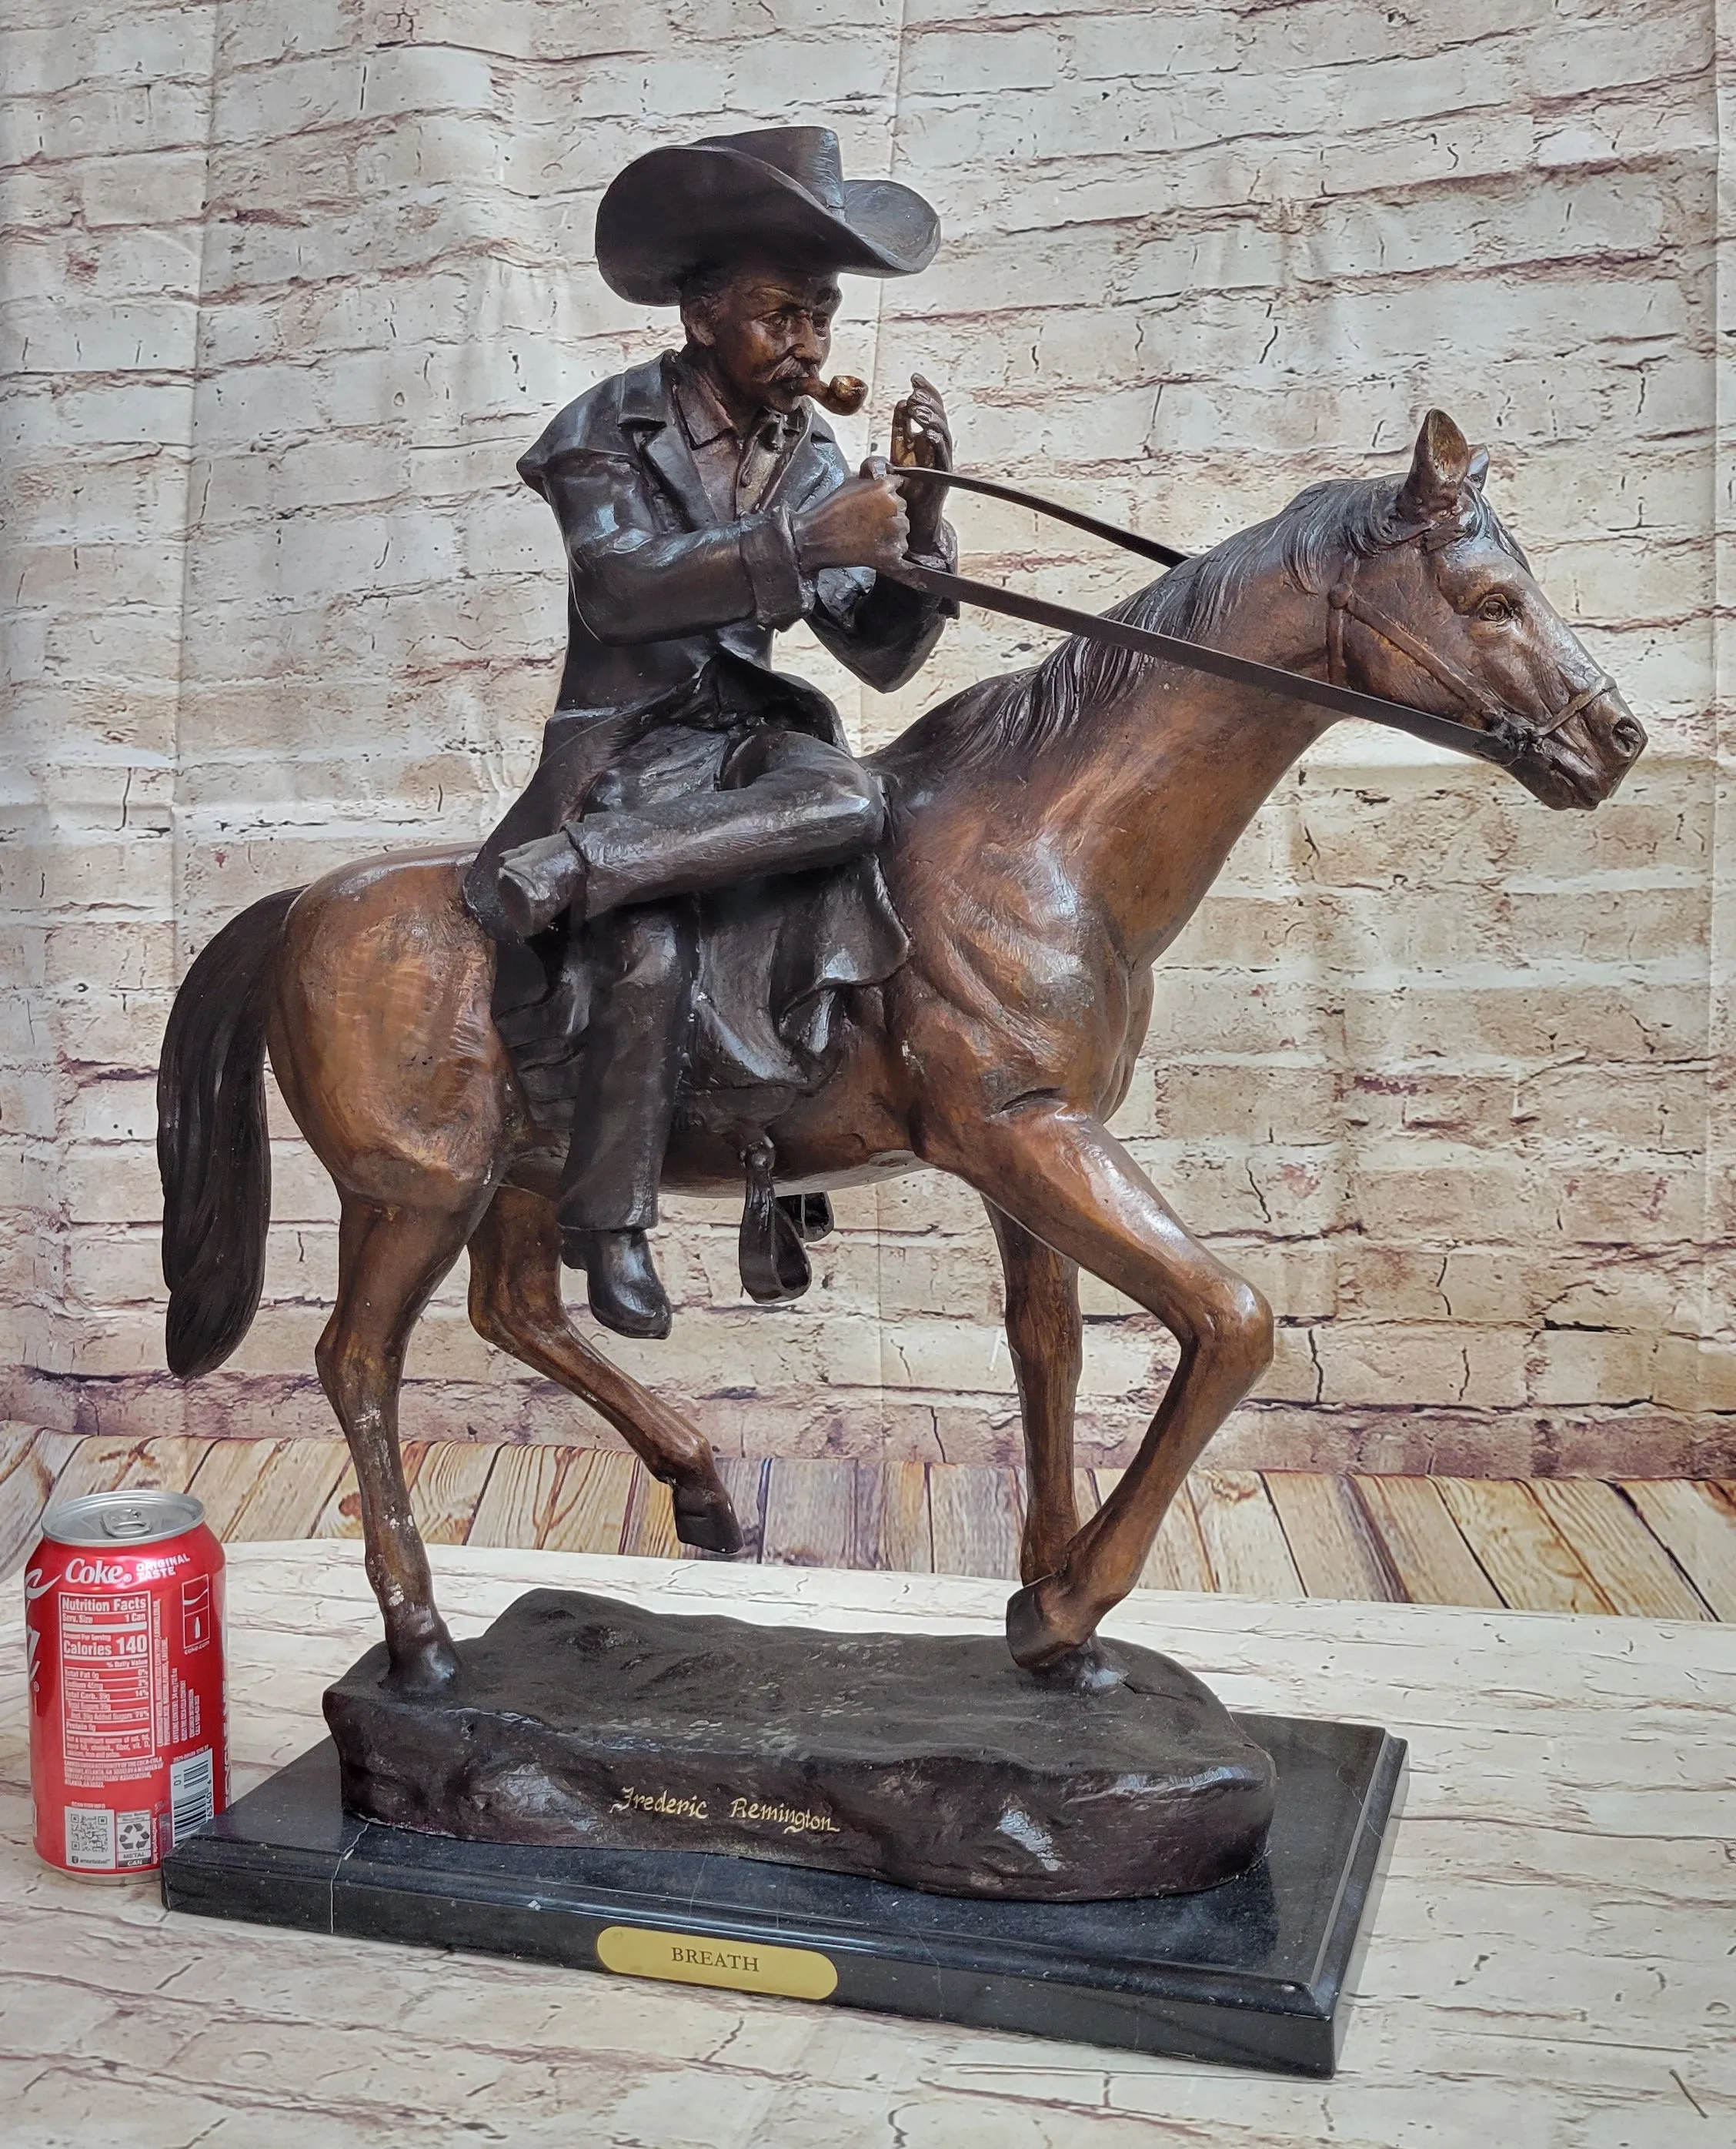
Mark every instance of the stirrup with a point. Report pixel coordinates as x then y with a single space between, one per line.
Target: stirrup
773 1261
811 1214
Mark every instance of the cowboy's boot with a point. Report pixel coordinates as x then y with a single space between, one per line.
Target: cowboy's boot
625 1290
538 881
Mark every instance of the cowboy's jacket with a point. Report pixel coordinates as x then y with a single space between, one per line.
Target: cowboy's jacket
657 584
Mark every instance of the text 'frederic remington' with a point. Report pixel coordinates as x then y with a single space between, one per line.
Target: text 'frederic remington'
792 1820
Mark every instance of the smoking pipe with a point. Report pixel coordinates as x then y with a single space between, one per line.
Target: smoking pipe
843 395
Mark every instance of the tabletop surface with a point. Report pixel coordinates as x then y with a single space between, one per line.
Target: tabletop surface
1551 1963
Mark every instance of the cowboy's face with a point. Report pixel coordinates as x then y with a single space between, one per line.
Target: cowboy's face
767 331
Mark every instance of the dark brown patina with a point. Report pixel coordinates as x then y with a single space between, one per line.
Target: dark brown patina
1050 833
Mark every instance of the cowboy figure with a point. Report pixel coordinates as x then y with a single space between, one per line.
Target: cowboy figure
704 506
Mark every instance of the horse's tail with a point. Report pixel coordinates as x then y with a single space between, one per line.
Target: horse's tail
212 1149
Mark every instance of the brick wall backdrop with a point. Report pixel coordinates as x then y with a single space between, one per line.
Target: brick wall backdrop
289 286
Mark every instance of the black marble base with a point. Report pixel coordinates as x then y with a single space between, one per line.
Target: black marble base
1254 1972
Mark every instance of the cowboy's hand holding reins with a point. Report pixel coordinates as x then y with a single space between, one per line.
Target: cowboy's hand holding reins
865 523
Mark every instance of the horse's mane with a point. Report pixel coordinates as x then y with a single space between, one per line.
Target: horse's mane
1019 713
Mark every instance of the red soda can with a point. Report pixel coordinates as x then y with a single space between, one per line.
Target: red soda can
123 1636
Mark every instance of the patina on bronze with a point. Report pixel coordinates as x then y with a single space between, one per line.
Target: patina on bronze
924 1760
1051 832
704 506
1499 734
710 950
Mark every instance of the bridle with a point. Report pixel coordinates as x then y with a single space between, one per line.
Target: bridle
1502 735
1345 602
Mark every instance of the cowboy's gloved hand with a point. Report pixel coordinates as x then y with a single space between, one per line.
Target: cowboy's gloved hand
863 524
921 435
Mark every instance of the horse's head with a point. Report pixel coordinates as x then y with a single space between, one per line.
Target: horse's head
1443 613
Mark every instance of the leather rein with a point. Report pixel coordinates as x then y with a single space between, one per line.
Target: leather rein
1502 737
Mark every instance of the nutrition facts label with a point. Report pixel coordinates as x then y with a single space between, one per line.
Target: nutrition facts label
108 1653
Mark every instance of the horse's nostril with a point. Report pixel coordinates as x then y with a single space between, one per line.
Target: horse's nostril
1628 736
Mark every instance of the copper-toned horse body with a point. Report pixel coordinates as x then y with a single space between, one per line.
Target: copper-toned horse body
1053 832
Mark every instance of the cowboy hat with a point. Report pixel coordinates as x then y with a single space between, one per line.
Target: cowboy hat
779 192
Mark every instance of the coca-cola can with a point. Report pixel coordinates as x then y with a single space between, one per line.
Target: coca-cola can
124 1633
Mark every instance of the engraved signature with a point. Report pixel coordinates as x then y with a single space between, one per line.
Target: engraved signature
794 1820
660 1802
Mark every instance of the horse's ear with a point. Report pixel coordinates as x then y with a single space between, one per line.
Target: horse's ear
1438 469
1479 469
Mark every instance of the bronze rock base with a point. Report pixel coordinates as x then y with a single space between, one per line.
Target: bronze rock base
930 1761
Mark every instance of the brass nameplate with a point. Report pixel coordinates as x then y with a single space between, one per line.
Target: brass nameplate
741 1966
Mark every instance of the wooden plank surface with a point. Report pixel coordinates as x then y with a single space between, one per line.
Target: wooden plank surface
588 1512
1178 1559
1697 1525
1244 1540
890 1517
976 1518
1542 1971
1423 1543
291 1490
648 1528
31 1459
515 1503
1632 1572
104 1465
226 1480
1335 1552
1658 1549
1086 1497
1518 1548
745 1482
341 1517
449 1482
810 1512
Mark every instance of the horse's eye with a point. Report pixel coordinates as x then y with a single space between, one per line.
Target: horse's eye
1496 607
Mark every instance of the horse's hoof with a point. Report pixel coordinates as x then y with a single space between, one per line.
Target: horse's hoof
1084 1670
707 1521
1041 1644
1030 1635
424 1667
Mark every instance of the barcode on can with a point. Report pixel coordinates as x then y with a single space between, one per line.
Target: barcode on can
90 1838
189 1794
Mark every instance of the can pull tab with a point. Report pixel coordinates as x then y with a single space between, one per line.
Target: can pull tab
126 1522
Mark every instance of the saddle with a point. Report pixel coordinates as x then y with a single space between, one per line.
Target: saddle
776 957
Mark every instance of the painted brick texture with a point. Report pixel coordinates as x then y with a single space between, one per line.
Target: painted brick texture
287 290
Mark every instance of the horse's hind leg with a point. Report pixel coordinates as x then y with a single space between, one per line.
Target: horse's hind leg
1069 1182
1044 1336
389 1260
515 1304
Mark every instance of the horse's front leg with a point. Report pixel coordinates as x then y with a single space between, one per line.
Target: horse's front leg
1044 1336
1067 1179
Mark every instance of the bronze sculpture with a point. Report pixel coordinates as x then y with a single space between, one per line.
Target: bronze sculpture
703 506
710 950
1049 833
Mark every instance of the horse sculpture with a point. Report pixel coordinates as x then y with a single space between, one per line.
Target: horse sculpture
1052 831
